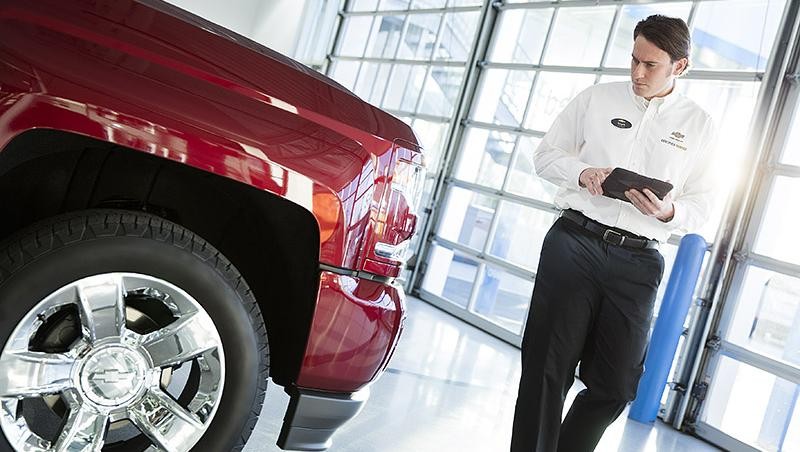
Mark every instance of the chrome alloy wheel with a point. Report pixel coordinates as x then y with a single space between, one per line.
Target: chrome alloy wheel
166 379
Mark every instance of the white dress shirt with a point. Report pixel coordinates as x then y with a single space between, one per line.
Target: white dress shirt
607 125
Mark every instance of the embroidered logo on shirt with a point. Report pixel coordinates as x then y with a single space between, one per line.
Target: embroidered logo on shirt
621 123
675 139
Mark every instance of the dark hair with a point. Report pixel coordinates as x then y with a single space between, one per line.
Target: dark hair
669 34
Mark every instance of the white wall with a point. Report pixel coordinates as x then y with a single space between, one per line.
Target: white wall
278 23
301 29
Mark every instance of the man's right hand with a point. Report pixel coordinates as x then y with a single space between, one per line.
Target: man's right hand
592 178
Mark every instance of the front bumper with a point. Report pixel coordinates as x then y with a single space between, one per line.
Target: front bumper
356 325
355 329
313 417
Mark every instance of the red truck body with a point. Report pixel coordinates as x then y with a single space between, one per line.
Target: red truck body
153 79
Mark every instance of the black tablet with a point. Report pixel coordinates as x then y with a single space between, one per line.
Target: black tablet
621 179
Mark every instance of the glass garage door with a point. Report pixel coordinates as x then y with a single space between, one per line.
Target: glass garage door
494 211
409 57
753 400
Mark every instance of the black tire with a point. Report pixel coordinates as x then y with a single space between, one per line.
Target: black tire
61 250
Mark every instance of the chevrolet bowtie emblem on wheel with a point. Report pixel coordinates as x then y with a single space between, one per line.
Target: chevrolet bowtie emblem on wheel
111 376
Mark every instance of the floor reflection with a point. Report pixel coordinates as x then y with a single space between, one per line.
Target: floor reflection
451 387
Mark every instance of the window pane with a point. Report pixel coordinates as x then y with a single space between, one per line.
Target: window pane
552 93
411 90
345 72
363 5
792 441
484 157
398 83
767 316
777 236
579 36
431 136
450 275
366 80
457 36
731 105
393 5
426 4
520 35
502 96
441 91
379 85
622 44
523 179
420 37
385 36
735 34
466 218
520 233
427 192
503 298
791 153
749 404
354 38
465 2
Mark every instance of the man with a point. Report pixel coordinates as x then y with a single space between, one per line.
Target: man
600 268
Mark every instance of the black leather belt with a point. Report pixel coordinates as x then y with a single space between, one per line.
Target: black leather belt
610 235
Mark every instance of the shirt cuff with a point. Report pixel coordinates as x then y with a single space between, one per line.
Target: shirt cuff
574 178
678 216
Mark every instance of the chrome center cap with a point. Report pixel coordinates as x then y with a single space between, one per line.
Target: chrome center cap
113 376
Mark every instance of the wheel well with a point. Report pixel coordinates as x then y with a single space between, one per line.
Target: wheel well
273 242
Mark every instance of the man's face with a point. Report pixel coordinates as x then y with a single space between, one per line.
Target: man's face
652 70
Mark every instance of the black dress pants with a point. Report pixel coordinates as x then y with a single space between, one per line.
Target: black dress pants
592 302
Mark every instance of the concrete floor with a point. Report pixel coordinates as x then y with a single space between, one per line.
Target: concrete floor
452 387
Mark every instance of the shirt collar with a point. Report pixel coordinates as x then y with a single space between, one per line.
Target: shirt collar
657 102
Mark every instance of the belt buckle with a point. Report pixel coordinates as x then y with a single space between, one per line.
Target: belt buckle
618 240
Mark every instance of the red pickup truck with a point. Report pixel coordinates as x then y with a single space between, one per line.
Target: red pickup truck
184 213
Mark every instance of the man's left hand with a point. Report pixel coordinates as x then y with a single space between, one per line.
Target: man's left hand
649 204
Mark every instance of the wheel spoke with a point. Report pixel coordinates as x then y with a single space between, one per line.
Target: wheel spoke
84 431
102 303
182 340
167 424
31 374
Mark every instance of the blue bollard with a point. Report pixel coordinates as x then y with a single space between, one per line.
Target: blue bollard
668 328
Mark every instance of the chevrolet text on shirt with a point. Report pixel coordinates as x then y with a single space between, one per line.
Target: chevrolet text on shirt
607 125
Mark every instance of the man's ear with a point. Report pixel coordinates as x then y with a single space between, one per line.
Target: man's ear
680 66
